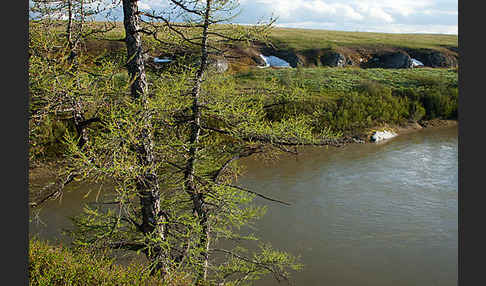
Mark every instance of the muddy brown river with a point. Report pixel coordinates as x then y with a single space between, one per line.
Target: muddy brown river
372 214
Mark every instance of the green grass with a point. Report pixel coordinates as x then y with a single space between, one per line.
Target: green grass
345 99
327 79
58 265
349 100
302 39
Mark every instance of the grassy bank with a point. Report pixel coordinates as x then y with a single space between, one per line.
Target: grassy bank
346 100
302 39
58 265
305 42
349 100
326 79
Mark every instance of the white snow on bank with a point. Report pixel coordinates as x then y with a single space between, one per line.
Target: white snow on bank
165 60
416 63
382 135
273 61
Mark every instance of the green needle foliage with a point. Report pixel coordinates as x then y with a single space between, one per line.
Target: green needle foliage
150 138
235 126
170 150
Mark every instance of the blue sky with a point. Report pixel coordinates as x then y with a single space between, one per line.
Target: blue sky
394 16
391 16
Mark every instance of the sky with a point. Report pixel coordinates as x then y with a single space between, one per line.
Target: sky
388 16
395 16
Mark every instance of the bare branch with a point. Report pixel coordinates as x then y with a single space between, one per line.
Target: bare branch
257 194
169 25
56 193
278 276
246 153
127 245
185 8
285 142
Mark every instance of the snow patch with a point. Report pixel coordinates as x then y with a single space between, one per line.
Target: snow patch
382 135
416 63
164 60
273 61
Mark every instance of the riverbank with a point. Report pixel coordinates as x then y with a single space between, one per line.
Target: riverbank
45 169
342 100
352 155
414 126
410 127
179 131
309 48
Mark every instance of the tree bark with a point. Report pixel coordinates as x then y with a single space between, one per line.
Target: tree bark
199 208
135 65
147 184
69 24
73 40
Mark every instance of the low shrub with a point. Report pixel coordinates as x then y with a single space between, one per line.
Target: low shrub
370 103
441 103
357 110
58 265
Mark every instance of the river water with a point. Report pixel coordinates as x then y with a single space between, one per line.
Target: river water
374 214
370 214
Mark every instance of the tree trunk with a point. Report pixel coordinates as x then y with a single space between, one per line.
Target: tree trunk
135 65
77 110
147 185
72 43
78 123
69 24
199 208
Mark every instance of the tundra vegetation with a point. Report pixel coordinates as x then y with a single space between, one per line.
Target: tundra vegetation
169 139
61 265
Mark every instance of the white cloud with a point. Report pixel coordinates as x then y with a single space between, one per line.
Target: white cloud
440 12
378 15
288 9
389 28
352 14
152 4
375 13
409 16
143 6
308 25
400 7
320 7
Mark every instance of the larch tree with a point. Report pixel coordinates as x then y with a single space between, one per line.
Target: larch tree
65 90
77 19
169 148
